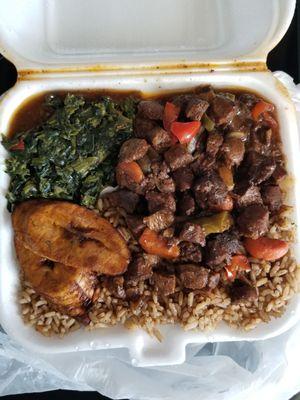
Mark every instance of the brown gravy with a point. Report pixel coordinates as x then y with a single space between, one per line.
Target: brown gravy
32 112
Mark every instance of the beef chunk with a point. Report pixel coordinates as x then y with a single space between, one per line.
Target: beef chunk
160 201
190 252
204 163
159 220
135 225
253 221
222 109
165 283
151 259
142 126
213 280
211 192
259 167
246 195
206 93
160 178
213 143
233 150
192 276
160 139
220 248
138 270
242 121
123 198
151 109
116 286
183 178
261 140
195 108
186 204
192 233
279 173
133 149
182 100
241 291
160 169
165 185
272 197
178 156
248 99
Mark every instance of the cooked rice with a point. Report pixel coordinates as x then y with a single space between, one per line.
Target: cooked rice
276 283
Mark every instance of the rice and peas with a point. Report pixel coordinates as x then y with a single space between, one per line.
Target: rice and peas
277 282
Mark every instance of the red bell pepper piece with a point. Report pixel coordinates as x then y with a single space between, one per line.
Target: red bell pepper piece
185 131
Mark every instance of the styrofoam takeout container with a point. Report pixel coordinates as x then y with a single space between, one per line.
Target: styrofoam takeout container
152 46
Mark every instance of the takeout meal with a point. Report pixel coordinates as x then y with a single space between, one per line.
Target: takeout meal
142 212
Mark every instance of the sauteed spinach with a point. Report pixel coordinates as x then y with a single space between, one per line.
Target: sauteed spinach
72 154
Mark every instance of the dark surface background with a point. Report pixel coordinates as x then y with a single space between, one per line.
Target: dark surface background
285 57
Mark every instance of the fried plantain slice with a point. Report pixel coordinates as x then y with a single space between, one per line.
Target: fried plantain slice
69 290
70 234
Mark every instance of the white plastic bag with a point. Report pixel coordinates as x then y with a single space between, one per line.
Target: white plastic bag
220 371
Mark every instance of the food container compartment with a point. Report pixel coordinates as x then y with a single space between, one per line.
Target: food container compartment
51 64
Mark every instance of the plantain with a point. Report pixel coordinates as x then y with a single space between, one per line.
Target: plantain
71 235
69 290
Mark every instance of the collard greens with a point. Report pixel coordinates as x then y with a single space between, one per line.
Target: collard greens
72 155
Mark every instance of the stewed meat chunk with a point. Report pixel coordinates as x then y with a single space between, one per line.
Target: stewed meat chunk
139 269
220 249
213 143
203 164
160 220
165 185
192 233
186 204
233 150
253 221
222 109
133 149
151 109
160 201
165 283
159 178
142 126
246 195
259 167
211 192
206 93
241 292
178 156
123 198
190 252
195 108
160 139
272 197
193 276
183 178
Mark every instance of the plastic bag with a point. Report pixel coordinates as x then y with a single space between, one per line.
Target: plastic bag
220 371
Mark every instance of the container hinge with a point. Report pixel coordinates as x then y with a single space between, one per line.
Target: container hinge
183 68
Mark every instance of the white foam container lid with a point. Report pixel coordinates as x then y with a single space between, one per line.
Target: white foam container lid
152 46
